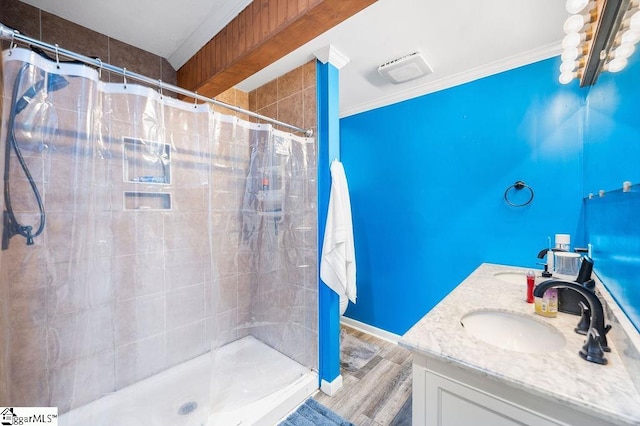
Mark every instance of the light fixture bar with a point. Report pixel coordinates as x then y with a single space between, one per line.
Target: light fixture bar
609 22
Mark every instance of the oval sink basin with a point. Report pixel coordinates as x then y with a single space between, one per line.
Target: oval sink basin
511 277
513 331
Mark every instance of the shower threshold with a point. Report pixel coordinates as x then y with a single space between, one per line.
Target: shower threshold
254 385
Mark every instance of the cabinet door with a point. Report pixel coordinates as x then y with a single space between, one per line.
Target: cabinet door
451 403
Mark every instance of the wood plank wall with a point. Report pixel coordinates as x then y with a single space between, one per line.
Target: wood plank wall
261 34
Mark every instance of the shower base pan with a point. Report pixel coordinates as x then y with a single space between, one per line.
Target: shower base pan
254 385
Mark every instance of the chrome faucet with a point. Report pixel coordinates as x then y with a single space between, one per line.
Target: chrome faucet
596 343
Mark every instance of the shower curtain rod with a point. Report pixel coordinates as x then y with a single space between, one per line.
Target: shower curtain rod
15 36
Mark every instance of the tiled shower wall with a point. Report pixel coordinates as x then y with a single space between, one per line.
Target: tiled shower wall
106 297
292 98
156 297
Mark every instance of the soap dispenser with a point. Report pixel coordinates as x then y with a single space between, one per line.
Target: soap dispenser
547 305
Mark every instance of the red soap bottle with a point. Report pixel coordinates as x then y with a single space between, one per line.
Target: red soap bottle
531 283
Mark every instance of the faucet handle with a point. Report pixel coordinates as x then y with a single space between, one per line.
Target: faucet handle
592 350
585 319
605 345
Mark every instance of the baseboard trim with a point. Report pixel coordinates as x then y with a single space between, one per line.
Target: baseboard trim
330 388
369 329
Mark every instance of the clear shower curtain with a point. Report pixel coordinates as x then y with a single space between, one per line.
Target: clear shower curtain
46 306
278 217
268 239
170 231
113 290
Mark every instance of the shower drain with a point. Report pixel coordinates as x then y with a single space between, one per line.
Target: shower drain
187 408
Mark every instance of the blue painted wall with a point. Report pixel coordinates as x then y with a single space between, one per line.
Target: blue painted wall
612 156
427 178
613 228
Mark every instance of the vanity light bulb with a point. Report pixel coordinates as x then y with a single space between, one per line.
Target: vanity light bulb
570 54
567 66
566 77
624 51
576 6
630 37
616 64
573 24
571 40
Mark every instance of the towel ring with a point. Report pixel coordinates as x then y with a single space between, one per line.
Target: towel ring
518 186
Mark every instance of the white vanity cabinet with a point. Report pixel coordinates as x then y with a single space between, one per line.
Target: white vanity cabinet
446 395
462 380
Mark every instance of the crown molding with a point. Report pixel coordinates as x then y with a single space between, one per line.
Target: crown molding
332 55
516 61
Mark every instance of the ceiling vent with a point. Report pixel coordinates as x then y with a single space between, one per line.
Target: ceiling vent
405 69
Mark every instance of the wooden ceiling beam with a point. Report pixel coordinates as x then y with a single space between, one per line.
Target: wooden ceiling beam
261 34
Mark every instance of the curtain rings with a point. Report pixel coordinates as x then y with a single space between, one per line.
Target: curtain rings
100 68
160 87
518 186
124 77
13 43
57 56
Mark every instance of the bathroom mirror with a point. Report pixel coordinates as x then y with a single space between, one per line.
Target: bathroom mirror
612 228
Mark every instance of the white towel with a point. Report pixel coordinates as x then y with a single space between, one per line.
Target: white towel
338 262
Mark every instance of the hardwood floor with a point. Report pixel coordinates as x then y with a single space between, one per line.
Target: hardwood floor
376 381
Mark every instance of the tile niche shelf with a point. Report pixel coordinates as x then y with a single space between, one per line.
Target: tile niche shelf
147 201
146 162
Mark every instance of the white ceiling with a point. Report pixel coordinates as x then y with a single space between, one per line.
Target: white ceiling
461 40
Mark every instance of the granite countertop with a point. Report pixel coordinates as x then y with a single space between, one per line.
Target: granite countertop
604 391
